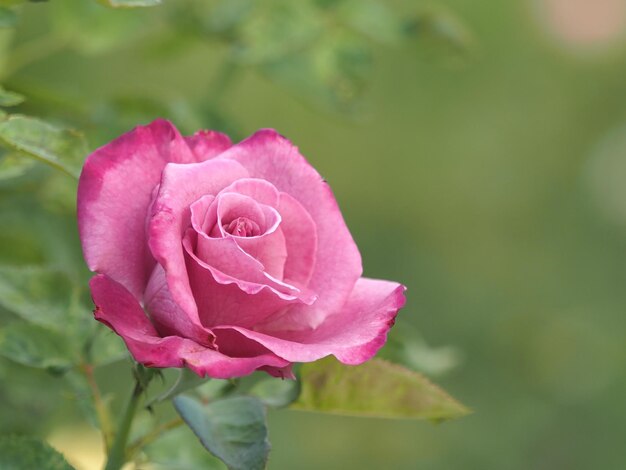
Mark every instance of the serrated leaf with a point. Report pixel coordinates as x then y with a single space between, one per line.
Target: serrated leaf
63 149
276 393
13 166
377 388
22 453
232 429
8 98
36 294
130 3
8 19
35 346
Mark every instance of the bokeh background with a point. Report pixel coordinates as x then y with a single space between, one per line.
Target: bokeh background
478 156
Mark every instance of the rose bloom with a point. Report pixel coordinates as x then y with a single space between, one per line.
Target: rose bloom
225 258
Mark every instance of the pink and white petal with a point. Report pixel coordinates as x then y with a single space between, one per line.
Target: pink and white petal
208 144
114 195
181 185
118 309
300 240
353 335
268 155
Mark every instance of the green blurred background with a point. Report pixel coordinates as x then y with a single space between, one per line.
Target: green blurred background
480 160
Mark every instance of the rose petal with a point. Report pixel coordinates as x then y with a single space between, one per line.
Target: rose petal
208 144
225 299
118 309
181 185
231 265
300 241
112 212
268 155
167 316
353 335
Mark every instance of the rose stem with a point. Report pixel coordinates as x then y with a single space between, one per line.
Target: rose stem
117 455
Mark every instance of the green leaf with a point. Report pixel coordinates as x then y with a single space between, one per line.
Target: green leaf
63 149
377 388
34 346
36 294
8 19
276 393
232 429
13 166
8 98
24 453
130 3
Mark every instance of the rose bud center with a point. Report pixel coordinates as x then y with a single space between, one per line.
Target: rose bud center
242 227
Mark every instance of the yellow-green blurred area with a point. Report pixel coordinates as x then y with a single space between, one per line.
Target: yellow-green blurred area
481 162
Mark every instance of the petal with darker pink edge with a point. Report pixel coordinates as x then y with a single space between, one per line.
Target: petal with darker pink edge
208 144
118 309
114 194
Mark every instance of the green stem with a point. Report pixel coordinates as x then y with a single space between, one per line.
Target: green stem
117 455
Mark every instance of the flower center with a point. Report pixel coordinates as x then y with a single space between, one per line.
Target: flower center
242 227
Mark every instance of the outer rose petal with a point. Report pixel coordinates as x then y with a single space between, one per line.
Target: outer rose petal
353 335
118 309
114 194
208 144
269 156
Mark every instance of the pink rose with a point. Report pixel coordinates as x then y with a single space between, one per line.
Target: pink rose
225 258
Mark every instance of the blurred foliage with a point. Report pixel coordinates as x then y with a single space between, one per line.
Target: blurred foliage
17 453
478 161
